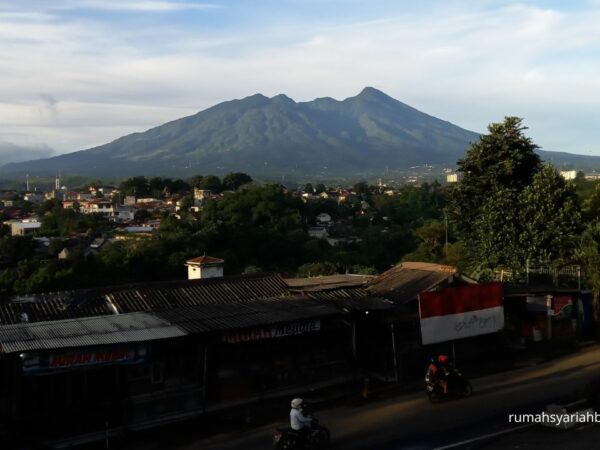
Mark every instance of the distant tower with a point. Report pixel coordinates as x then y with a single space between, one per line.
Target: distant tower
27 182
57 182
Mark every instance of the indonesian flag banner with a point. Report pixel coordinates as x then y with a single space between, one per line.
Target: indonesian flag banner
461 312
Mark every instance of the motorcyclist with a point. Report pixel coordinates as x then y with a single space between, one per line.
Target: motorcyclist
438 372
298 421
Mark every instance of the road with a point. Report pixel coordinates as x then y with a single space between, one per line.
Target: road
411 422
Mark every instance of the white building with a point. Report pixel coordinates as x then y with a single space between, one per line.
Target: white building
568 174
452 178
204 267
201 195
97 207
23 227
124 213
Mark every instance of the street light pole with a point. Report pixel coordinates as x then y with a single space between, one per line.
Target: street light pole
446 226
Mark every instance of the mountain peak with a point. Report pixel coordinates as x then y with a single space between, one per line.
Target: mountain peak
371 92
282 98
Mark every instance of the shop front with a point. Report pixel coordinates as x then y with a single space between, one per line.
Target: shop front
257 361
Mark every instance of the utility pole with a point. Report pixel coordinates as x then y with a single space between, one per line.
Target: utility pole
446 226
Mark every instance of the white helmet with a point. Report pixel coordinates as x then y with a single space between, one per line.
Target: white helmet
297 403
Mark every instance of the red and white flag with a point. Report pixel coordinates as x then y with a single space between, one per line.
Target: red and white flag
460 312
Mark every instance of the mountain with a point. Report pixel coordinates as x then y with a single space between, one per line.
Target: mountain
366 134
10 152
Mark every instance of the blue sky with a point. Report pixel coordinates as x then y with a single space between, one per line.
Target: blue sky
79 73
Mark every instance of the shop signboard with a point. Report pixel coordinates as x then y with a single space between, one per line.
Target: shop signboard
461 312
276 331
42 362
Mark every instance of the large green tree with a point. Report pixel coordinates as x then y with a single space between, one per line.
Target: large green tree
503 159
509 208
233 181
550 216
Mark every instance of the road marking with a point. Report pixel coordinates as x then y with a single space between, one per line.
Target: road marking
575 403
485 436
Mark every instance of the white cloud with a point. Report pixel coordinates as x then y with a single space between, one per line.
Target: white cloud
152 6
78 82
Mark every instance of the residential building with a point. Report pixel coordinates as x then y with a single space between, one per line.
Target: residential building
23 227
568 174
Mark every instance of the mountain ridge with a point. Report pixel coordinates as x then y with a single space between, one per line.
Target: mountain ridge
365 134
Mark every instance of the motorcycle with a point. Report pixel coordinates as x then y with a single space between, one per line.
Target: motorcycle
457 386
317 437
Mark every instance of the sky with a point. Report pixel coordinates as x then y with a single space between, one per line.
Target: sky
79 73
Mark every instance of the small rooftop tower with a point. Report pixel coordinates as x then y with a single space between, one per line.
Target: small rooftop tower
57 182
204 267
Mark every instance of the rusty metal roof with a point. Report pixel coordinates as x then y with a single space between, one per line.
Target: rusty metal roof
328 281
90 331
406 281
205 260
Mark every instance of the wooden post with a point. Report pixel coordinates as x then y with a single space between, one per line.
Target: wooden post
395 360
354 338
549 316
204 378
454 353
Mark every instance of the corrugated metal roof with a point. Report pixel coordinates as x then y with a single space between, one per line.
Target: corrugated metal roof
406 281
140 297
135 327
231 316
64 305
351 299
328 281
197 292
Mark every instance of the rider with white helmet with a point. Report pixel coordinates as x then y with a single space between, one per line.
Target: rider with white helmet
298 421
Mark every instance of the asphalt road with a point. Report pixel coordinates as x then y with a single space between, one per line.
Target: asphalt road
411 422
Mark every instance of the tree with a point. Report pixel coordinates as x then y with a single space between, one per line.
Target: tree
510 209
232 181
211 183
186 203
320 188
361 188
136 186
550 214
503 159
591 204
432 238
196 181
316 269
308 188
494 239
